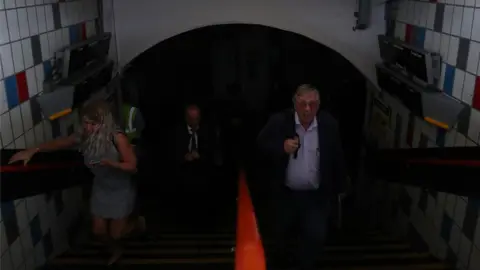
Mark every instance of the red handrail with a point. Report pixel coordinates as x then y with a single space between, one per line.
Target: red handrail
466 163
249 253
19 167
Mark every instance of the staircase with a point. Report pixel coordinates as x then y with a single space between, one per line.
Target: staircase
186 232
368 251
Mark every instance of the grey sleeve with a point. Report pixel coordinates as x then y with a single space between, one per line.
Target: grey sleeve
138 122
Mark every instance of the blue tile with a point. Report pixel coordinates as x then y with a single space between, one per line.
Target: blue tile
419 37
449 78
8 209
47 244
471 218
47 69
440 140
11 90
74 34
35 230
447 224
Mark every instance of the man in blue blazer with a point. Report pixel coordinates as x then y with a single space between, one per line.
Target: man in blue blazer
307 172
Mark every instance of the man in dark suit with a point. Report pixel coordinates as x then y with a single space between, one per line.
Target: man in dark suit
193 151
307 172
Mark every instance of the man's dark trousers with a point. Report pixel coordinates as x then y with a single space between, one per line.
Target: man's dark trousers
303 217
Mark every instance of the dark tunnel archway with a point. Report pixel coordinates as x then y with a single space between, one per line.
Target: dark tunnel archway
244 69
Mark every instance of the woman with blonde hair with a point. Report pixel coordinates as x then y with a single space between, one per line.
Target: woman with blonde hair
111 159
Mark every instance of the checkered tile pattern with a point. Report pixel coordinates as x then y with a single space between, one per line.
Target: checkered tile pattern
34 229
446 224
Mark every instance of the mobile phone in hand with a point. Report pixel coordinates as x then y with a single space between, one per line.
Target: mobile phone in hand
94 162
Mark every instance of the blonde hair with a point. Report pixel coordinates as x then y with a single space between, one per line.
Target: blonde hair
98 142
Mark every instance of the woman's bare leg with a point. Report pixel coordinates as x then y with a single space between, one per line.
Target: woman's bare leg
100 229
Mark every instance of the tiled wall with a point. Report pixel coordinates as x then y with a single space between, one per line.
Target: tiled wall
449 225
34 228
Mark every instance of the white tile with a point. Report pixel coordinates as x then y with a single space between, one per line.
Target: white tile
90 29
453 51
39 73
58 40
460 140
47 130
23 22
454 242
450 202
428 40
437 42
39 134
445 42
30 2
7 261
476 25
27 53
39 255
474 259
30 261
7 134
10 4
16 253
470 3
447 19
400 29
27 243
459 214
468 88
20 142
477 3
22 217
2 5
30 139
17 124
457 20
20 3
32 20
458 84
474 128
26 115
4 35
12 20
1 70
17 54
31 82
52 43
432 8
49 18
65 37
39 2
467 22
41 19
45 47
63 14
464 250
473 57
460 2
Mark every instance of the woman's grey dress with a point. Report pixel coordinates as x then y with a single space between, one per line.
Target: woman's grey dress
113 193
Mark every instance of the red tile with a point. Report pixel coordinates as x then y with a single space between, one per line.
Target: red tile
22 87
84 31
409 33
476 95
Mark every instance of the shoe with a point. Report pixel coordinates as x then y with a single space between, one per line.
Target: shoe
115 255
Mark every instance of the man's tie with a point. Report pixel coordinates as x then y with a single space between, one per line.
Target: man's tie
194 141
